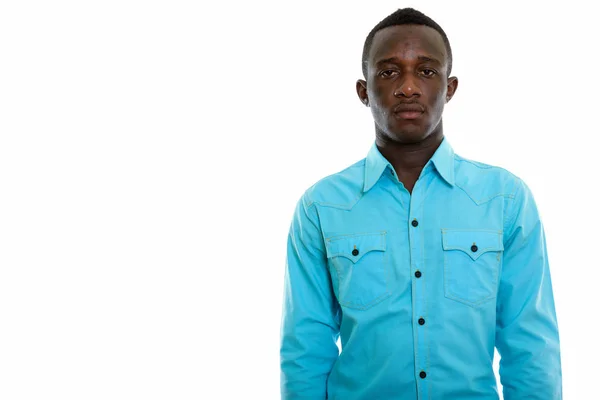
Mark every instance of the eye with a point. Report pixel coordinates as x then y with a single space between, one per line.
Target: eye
388 73
428 72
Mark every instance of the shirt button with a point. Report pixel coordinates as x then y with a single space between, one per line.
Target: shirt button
418 274
421 321
422 374
355 252
415 223
474 248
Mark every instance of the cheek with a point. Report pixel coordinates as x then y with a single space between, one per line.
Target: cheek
437 100
375 96
381 97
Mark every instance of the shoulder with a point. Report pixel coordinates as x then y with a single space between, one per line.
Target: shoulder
484 182
339 190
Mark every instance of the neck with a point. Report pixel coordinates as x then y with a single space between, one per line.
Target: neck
409 158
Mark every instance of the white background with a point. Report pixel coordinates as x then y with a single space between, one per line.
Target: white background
151 155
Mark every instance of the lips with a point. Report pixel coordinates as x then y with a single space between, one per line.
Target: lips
407 107
408 110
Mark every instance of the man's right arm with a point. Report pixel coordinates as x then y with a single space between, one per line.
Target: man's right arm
310 319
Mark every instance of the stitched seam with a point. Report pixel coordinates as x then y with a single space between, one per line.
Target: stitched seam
447 293
483 165
354 305
485 200
383 296
451 296
337 272
466 249
353 258
474 257
426 304
347 235
348 254
513 215
446 230
339 206
474 163
386 255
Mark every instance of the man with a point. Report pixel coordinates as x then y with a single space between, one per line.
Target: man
420 260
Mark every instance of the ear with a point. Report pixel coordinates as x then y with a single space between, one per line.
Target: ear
451 89
361 90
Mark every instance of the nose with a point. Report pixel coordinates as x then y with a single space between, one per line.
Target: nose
407 87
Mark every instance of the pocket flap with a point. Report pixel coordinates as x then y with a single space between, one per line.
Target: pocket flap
473 242
354 246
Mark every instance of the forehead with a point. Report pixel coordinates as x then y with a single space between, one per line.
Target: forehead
407 42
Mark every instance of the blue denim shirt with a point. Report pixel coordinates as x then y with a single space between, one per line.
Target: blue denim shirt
419 287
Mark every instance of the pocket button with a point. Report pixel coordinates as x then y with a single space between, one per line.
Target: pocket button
470 272
358 268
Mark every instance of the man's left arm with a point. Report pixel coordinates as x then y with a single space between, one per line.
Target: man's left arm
526 327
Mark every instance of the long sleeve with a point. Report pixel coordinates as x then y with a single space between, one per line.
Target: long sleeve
526 326
310 318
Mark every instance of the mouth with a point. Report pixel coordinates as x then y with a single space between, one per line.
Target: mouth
408 114
408 111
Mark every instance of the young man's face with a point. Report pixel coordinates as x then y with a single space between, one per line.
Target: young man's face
406 85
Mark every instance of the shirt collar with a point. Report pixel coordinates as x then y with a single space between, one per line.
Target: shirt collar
443 159
376 164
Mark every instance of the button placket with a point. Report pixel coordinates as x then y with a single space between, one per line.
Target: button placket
415 233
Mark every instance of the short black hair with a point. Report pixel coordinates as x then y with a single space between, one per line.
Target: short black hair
404 16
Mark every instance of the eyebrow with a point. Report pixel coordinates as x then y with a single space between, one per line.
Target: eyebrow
394 60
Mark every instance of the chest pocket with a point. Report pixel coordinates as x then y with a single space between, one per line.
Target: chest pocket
358 265
471 264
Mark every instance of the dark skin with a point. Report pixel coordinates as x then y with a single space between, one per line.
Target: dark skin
406 87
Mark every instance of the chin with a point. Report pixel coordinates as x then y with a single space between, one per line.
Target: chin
408 137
